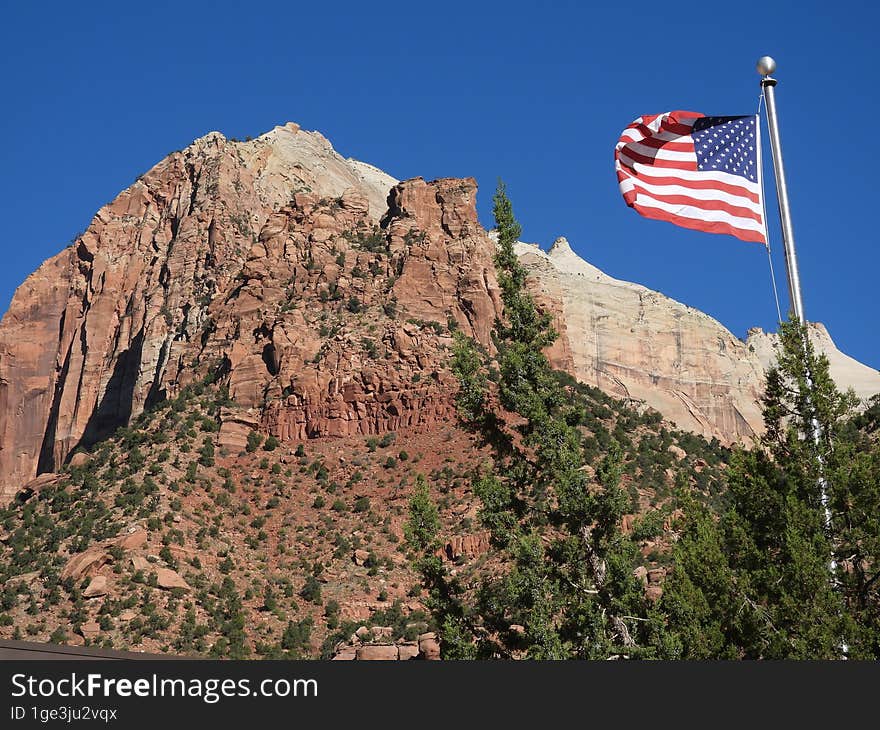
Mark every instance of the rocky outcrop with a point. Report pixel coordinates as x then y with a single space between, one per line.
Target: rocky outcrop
465 546
637 344
91 560
97 587
427 648
341 327
85 563
264 263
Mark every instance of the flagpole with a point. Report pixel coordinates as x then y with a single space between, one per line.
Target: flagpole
766 66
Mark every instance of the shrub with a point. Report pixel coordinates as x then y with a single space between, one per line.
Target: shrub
59 636
362 504
254 440
311 591
206 453
370 347
271 444
648 526
296 636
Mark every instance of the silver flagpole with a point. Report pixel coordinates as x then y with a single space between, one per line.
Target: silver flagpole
766 66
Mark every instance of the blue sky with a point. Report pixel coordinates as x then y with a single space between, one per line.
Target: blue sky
535 93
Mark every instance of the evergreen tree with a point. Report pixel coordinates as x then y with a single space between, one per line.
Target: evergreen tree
756 582
569 591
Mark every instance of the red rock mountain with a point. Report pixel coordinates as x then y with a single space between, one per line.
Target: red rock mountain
324 292
234 257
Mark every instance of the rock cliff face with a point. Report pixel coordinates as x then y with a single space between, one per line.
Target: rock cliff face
323 292
636 343
264 263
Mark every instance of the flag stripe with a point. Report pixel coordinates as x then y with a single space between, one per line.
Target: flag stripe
702 225
697 179
662 144
635 157
735 211
707 184
695 171
708 199
692 212
641 132
685 154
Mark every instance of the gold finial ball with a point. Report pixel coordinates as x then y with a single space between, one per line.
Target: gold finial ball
766 65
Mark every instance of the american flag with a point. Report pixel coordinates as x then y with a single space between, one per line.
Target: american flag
695 171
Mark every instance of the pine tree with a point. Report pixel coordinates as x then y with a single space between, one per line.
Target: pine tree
756 582
570 585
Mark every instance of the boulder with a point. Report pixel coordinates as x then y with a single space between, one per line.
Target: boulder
429 646
90 630
97 587
80 458
656 576
377 652
168 579
85 563
678 452
132 540
466 546
408 650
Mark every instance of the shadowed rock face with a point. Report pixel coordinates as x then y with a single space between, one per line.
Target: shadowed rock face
323 292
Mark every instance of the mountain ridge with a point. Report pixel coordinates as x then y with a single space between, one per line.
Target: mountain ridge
195 261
